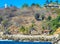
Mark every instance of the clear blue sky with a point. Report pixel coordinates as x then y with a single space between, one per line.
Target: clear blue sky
19 3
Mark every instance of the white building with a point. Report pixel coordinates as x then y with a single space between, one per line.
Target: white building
5 5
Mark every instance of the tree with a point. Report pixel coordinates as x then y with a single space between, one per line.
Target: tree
49 26
25 5
42 17
27 30
37 16
37 5
1 19
5 23
22 29
52 24
33 4
43 27
55 23
7 31
58 17
49 18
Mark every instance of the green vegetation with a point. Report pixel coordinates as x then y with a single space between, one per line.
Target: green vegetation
52 24
56 10
33 24
5 22
1 19
37 5
49 18
22 28
43 19
25 5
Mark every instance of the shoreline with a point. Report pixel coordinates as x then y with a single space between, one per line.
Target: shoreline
33 38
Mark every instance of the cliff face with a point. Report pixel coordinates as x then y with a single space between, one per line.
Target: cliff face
25 17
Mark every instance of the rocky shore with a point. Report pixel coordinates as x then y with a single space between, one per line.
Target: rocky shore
30 38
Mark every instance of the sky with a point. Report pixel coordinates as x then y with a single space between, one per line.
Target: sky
19 3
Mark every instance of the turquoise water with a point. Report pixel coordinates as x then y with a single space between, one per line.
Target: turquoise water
14 42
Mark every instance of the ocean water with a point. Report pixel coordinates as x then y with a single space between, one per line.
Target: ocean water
14 42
